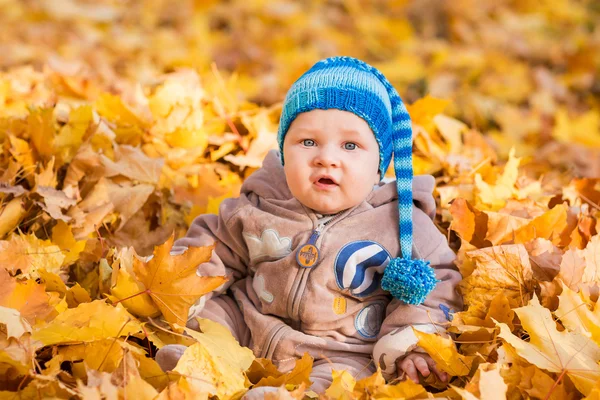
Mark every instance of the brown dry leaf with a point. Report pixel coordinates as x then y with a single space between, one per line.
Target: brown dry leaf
555 351
469 223
86 164
132 163
504 269
172 282
55 201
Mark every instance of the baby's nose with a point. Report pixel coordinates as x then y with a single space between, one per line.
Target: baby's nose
327 157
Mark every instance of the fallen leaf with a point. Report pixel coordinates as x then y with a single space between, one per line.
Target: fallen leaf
132 295
27 254
300 374
94 321
444 353
134 164
579 314
28 298
172 282
15 325
549 349
504 269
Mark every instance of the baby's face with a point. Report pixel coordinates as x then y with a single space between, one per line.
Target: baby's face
331 160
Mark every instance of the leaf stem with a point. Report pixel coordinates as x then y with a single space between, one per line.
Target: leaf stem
564 371
132 296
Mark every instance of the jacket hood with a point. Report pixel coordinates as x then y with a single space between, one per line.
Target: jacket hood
269 183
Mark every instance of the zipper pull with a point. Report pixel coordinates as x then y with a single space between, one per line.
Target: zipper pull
307 255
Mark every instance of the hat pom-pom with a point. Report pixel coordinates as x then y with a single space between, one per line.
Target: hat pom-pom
409 280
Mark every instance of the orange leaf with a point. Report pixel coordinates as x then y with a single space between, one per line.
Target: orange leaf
172 282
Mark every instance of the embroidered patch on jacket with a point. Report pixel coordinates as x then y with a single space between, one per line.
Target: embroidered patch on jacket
269 244
359 267
258 284
368 320
339 305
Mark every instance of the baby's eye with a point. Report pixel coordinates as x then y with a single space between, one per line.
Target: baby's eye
308 142
349 146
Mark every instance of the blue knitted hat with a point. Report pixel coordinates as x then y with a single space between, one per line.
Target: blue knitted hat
348 84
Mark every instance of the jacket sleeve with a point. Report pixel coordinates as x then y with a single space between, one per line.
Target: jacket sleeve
396 337
230 256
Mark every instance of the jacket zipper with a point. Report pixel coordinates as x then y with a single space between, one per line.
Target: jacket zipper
316 236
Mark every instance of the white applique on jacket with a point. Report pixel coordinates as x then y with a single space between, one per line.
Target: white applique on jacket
269 244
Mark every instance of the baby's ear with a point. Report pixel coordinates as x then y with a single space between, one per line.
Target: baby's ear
377 178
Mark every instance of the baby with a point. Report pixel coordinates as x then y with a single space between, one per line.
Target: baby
311 245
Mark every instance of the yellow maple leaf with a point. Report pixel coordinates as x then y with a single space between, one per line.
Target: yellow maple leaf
403 390
578 314
86 323
549 349
28 254
130 123
206 374
584 129
444 353
71 135
172 282
221 344
494 196
342 385
29 298
127 291
549 226
298 375
62 236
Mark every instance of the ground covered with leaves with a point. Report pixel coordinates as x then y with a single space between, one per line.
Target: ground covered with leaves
121 121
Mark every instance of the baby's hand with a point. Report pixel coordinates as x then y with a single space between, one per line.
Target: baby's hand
422 363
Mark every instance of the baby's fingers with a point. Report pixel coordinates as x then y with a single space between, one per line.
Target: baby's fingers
409 367
422 366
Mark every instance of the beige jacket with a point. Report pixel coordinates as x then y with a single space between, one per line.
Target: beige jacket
337 306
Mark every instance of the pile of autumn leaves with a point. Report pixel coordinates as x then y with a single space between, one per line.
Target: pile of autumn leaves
82 315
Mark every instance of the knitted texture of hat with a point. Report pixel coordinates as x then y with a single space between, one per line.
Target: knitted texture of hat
348 84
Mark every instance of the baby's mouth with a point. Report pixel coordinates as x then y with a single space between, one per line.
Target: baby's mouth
326 181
